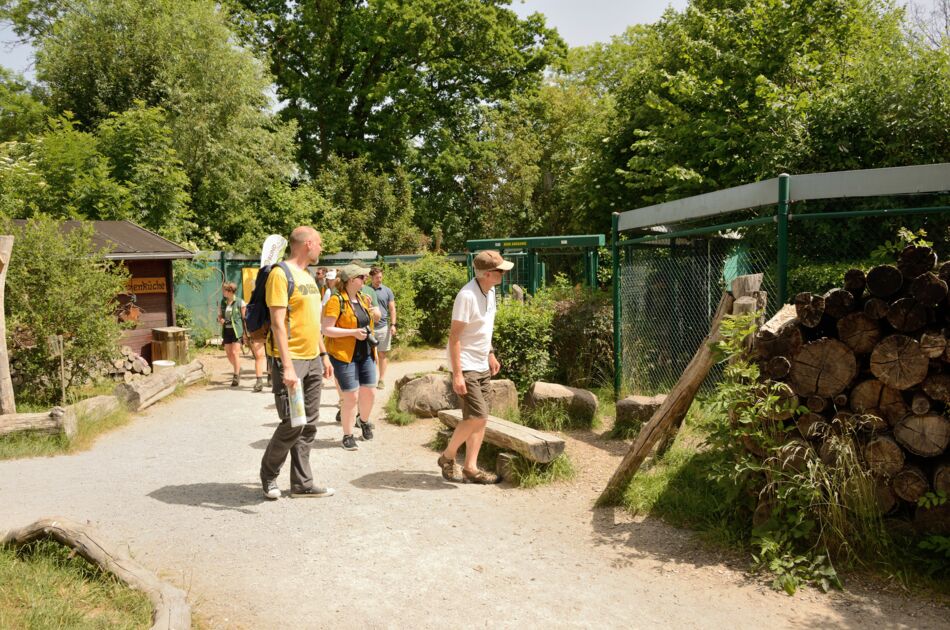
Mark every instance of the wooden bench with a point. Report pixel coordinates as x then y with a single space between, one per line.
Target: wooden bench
531 444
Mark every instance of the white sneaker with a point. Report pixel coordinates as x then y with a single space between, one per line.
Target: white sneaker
271 491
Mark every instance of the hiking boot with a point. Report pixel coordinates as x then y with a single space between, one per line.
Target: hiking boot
313 492
259 385
235 380
380 384
271 491
480 476
451 471
268 383
366 428
349 443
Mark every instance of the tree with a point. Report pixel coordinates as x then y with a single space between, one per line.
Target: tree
21 108
379 78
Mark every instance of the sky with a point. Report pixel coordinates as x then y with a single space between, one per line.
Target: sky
580 22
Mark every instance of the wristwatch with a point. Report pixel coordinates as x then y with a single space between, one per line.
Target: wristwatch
323 354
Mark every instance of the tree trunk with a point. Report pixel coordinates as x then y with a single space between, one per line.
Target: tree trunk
170 607
809 309
53 422
859 332
926 435
875 398
671 412
910 483
899 362
7 398
907 315
884 456
928 289
884 281
822 368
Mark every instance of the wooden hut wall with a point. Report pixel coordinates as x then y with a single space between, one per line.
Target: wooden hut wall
158 308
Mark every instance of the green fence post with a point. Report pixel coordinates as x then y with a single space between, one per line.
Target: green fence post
615 251
782 217
595 266
532 272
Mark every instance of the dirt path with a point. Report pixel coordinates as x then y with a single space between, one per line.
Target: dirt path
397 546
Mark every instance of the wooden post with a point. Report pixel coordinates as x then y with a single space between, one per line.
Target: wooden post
671 413
7 399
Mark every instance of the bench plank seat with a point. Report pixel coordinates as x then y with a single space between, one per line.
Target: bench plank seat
531 444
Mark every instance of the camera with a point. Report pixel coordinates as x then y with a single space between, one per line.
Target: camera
371 337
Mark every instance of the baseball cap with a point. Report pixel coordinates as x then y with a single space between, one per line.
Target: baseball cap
331 274
490 259
351 271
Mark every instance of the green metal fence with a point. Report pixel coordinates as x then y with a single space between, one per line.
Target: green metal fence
672 267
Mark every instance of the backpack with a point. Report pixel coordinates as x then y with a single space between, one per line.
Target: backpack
257 314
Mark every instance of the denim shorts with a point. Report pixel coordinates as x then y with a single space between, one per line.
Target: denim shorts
355 374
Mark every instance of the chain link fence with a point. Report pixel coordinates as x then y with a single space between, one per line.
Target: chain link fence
669 287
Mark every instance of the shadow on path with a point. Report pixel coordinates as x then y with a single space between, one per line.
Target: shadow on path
403 481
237 497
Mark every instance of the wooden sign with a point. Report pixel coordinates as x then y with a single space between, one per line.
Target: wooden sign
147 285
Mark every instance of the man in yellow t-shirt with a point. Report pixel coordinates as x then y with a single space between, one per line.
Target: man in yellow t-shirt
300 359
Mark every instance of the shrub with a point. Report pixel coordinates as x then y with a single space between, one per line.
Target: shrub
408 316
436 281
522 340
582 342
820 277
59 284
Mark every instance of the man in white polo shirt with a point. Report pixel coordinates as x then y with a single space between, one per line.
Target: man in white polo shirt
473 364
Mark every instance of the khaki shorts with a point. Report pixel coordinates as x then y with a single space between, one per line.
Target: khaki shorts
475 402
385 338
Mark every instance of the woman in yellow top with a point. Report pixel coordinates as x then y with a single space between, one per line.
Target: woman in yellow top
347 325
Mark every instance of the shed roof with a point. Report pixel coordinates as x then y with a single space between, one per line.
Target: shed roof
128 241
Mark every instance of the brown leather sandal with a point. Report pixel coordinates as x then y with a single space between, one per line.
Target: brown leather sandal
480 476
451 471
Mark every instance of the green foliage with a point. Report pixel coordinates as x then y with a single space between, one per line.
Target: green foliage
887 252
58 283
522 340
820 277
436 281
408 315
547 417
21 107
527 474
85 596
394 415
582 342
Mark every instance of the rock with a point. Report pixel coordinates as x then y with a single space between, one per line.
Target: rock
633 411
427 395
580 404
504 397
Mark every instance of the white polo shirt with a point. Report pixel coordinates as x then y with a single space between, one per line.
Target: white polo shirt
477 311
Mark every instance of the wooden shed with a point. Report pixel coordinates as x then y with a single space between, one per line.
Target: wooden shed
150 299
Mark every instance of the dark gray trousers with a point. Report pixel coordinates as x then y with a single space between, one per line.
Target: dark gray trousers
294 440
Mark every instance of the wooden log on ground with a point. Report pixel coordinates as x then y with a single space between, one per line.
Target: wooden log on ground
926 435
876 308
53 422
910 483
884 456
907 315
534 445
671 413
914 260
928 289
859 332
148 390
809 309
854 282
933 344
822 368
838 303
942 478
875 398
170 607
780 336
96 407
899 362
884 281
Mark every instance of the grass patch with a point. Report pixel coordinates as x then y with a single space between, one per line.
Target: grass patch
25 444
45 586
395 415
413 353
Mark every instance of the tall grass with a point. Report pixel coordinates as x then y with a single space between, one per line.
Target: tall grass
25 444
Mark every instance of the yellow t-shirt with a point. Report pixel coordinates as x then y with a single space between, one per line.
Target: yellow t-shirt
303 329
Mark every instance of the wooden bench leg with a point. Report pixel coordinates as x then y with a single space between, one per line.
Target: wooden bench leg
504 465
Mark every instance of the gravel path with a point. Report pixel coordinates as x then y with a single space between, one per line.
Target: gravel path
397 546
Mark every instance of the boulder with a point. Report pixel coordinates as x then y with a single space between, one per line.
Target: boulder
427 395
580 404
504 397
632 412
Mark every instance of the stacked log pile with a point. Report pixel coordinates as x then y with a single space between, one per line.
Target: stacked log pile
128 366
874 356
